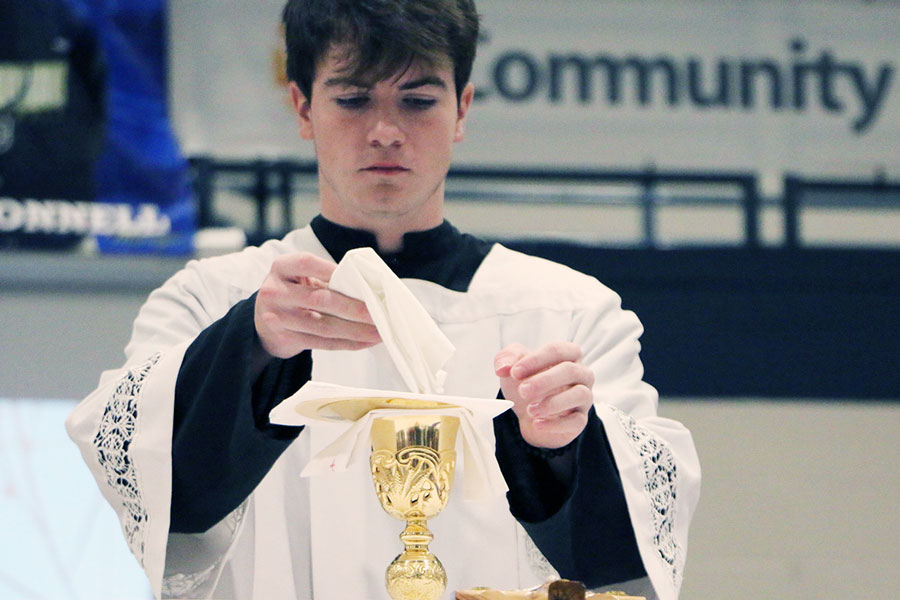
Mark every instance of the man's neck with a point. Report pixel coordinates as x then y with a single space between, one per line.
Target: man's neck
389 242
389 233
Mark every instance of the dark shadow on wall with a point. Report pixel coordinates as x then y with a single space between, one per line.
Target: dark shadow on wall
805 323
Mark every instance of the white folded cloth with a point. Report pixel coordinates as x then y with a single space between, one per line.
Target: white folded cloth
415 343
481 474
419 349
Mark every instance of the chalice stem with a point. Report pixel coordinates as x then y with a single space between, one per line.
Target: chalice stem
416 574
416 536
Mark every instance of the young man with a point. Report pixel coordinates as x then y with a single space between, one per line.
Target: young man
600 488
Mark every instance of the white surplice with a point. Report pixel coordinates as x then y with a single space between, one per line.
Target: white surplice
327 537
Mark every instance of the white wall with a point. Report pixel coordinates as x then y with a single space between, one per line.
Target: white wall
799 499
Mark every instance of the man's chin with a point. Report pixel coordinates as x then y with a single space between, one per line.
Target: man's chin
387 199
384 209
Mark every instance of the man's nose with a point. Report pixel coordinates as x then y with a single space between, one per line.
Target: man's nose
385 132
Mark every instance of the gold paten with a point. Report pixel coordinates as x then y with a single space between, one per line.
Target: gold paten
353 409
413 460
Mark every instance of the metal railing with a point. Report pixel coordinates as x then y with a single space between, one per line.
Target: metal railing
800 192
265 182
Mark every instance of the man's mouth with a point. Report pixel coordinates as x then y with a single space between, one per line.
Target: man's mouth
386 169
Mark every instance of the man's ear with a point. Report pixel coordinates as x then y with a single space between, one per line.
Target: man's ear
301 107
462 111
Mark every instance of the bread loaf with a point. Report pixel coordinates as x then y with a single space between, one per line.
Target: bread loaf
565 589
557 590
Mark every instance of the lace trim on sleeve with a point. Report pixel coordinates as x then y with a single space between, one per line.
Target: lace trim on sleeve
538 563
113 442
660 483
187 585
180 585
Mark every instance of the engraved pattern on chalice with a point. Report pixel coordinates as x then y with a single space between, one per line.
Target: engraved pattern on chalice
413 460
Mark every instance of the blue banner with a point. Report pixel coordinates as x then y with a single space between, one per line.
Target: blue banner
86 147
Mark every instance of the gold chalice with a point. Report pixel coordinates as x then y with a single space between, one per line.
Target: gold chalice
413 460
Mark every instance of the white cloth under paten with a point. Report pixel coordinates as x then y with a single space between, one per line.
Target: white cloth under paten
419 350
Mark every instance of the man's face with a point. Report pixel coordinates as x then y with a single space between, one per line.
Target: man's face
383 149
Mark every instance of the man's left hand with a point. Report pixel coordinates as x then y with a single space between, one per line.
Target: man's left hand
550 388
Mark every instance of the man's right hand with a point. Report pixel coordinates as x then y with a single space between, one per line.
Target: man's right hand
295 310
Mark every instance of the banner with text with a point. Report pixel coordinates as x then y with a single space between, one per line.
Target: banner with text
750 85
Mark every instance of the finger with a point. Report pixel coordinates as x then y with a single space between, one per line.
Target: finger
321 325
555 378
556 433
324 300
329 326
577 398
545 357
302 280
326 343
305 279
291 302
290 343
295 267
506 358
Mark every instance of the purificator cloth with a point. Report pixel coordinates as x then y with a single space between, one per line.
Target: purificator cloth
417 346
419 349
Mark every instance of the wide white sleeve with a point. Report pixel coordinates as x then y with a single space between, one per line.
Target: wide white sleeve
123 429
655 456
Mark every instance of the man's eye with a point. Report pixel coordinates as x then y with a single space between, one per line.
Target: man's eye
352 101
418 103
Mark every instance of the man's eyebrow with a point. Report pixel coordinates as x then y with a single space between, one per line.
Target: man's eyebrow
346 82
409 85
423 81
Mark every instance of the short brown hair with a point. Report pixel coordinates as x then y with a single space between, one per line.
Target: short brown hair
382 37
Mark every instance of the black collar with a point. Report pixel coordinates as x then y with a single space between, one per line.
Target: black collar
418 246
442 255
